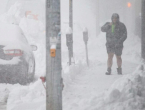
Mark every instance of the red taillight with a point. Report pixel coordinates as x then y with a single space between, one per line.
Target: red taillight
13 52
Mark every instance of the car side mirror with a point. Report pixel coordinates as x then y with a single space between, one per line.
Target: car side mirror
33 47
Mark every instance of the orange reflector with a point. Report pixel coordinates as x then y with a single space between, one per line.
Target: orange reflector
53 52
129 4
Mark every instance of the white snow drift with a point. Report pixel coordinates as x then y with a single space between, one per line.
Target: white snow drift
127 93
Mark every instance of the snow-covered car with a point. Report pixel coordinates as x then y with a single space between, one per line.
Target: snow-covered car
17 62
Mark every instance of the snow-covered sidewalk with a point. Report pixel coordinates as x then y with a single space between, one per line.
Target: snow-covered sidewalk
84 83
126 93
89 84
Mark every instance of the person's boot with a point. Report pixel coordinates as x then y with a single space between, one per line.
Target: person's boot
119 70
108 71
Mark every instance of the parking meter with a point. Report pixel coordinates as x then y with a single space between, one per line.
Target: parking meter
69 40
86 38
69 43
85 35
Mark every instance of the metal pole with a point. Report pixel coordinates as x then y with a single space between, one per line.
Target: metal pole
71 21
98 18
69 54
69 44
143 30
53 64
87 60
71 14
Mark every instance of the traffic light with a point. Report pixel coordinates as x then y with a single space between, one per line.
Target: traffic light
129 4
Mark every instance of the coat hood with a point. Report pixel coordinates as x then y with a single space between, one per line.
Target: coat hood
115 15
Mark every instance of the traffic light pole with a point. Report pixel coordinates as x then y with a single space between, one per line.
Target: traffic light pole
53 57
143 31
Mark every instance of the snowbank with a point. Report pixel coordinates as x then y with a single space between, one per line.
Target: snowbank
33 97
69 73
30 97
127 93
4 94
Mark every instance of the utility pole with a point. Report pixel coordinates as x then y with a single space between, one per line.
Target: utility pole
53 56
143 30
98 18
71 21
71 14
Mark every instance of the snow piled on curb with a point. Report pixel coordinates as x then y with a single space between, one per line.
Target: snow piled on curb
127 93
33 97
5 89
30 97
70 73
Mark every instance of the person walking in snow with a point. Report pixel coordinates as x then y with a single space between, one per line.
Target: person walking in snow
116 34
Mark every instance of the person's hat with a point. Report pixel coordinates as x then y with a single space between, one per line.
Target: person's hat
115 15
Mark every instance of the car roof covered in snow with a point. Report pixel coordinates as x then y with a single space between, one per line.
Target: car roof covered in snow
11 36
10 31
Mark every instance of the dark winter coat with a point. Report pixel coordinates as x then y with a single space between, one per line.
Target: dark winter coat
118 37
